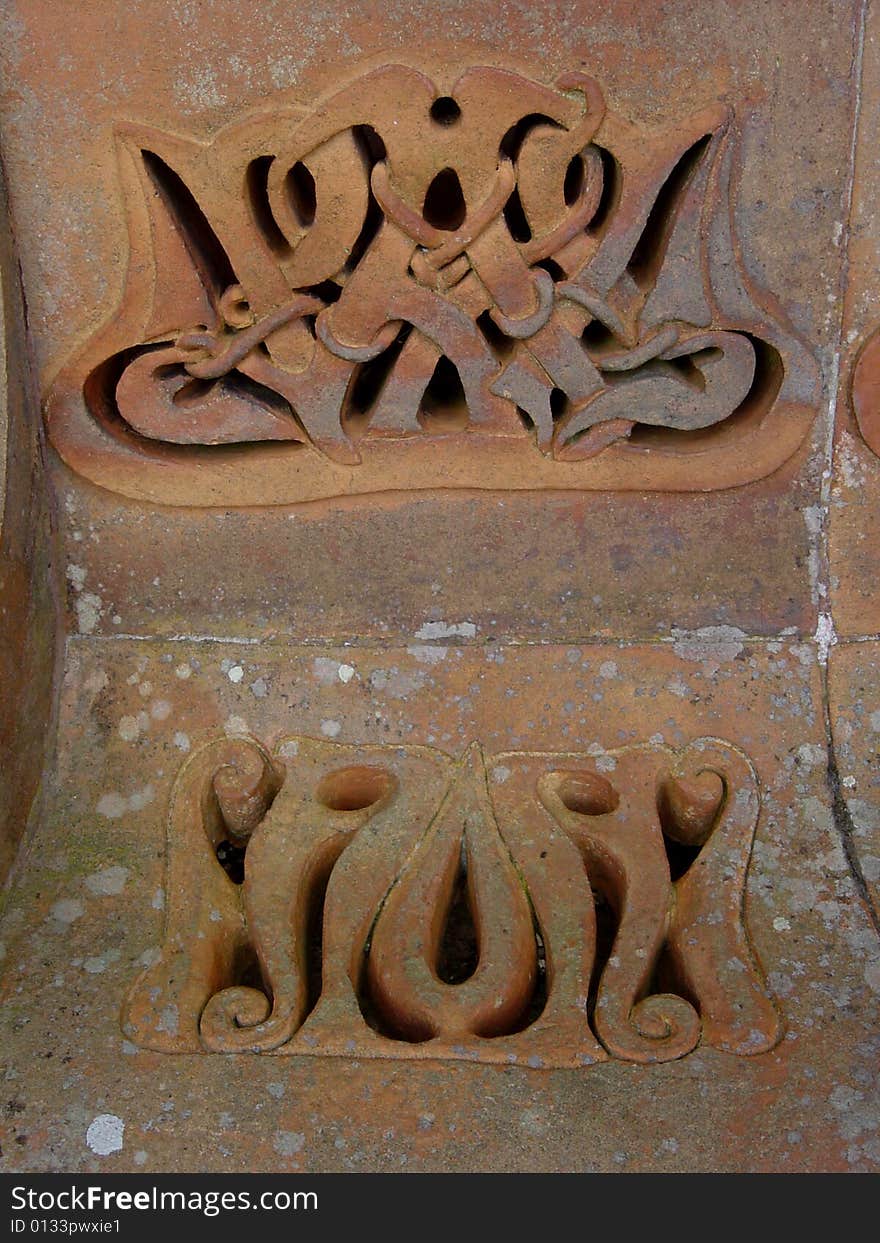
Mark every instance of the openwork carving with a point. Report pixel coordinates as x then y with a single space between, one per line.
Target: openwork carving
494 284
397 902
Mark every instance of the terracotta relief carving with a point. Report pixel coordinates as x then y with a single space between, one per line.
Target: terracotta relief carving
866 392
552 909
498 284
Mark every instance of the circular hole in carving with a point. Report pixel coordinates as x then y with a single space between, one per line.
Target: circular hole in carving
445 111
354 788
588 794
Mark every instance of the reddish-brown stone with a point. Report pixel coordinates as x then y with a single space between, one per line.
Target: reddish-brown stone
436 424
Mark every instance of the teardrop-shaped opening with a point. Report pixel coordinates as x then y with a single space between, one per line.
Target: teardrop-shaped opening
515 218
257 192
246 971
299 186
688 808
230 855
444 404
574 180
458 952
648 255
444 205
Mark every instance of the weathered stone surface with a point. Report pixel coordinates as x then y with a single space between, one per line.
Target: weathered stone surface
500 566
440 430
854 512
854 692
28 597
87 915
758 80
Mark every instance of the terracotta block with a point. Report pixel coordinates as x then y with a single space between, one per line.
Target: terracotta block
438 433
29 599
87 916
637 229
854 686
501 566
855 501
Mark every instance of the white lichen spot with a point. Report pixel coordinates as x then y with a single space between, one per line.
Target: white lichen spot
872 975
289 748
108 882
446 630
235 674
712 645
781 924
850 463
141 798
76 576
608 669
260 688
67 911
330 728
811 755
825 637
181 741
129 729
88 612
425 654
325 670
500 774
235 725
160 710
96 682
346 673
157 902
288 1143
112 805
105 1134
183 672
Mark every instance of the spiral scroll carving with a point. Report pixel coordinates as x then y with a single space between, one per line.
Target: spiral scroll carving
399 902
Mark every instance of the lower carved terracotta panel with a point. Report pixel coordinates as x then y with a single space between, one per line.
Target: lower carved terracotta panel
539 908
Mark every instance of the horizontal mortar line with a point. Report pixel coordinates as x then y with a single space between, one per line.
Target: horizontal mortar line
403 641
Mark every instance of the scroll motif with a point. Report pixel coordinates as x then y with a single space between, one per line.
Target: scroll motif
504 282
396 902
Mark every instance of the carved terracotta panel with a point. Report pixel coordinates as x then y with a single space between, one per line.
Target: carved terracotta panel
108 896
479 280
444 773
397 902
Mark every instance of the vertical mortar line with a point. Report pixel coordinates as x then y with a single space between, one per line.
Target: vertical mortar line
826 634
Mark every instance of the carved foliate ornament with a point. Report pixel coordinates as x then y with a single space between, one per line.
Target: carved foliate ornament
485 282
547 909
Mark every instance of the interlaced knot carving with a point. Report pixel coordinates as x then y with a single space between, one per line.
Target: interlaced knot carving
507 272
